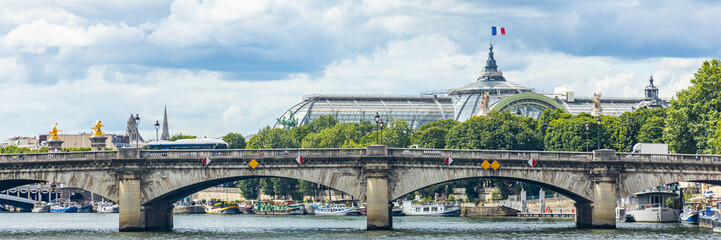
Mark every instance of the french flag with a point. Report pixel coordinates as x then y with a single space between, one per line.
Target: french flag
498 31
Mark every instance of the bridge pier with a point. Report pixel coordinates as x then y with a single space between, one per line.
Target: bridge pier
135 217
379 211
604 203
584 215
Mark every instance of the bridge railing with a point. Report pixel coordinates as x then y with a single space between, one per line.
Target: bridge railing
255 153
490 154
679 158
56 156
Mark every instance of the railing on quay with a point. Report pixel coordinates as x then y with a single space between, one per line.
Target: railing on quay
57 156
259 153
491 154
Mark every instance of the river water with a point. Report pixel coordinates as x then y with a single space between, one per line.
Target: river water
213 226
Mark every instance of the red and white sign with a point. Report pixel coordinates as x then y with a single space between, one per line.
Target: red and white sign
448 160
299 159
206 160
532 162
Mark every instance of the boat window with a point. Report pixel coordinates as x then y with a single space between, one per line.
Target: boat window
425 209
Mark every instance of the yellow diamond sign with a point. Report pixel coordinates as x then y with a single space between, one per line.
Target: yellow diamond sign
253 163
485 164
495 165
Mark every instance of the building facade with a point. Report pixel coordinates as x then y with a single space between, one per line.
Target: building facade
491 91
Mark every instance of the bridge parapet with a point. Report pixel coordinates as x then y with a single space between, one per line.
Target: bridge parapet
258 153
56 156
491 154
671 158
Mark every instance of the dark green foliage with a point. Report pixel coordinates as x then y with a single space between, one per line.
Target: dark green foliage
234 140
433 134
272 138
249 188
692 121
498 131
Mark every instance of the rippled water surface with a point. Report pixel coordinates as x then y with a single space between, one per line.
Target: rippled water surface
206 226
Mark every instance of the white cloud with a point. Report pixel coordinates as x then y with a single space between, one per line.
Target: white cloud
38 35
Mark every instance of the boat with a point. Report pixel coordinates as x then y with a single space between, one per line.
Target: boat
448 210
650 207
63 208
232 209
41 207
107 208
285 209
338 209
246 209
690 214
85 208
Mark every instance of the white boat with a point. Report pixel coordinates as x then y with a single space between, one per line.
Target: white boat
411 209
650 207
107 208
337 209
41 207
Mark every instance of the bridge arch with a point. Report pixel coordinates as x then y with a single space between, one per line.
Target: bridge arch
573 184
169 186
98 182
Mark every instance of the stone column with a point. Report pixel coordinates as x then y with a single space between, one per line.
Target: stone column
604 203
379 211
135 217
542 201
583 215
98 142
604 175
55 145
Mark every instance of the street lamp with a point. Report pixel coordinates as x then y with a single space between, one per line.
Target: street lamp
377 119
381 124
137 131
157 127
598 121
586 137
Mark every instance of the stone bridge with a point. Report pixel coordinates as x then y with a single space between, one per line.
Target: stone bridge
146 183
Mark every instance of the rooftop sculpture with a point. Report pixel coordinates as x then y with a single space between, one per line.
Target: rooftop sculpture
597 109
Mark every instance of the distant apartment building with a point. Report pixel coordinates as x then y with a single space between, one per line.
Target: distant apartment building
22 142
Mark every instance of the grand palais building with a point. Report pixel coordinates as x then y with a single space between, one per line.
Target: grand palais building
461 103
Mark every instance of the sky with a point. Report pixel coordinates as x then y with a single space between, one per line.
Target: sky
236 65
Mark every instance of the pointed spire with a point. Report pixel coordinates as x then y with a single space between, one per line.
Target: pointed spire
491 72
651 90
166 133
132 129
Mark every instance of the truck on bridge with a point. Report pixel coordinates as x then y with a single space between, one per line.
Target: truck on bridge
650 148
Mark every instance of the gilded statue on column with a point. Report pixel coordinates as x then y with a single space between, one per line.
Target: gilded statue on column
54 133
97 126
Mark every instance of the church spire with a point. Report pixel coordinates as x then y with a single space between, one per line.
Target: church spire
166 134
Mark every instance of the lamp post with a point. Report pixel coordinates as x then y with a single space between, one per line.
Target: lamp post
137 131
586 137
598 121
381 124
377 119
157 127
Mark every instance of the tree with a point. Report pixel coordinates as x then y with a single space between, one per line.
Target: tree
314 126
266 185
272 138
397 133
180 136
695 112
283 186
307 188
337 136
234 140
433 134
249 188
498 131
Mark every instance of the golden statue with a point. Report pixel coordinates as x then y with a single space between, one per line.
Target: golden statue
97 126
54 133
